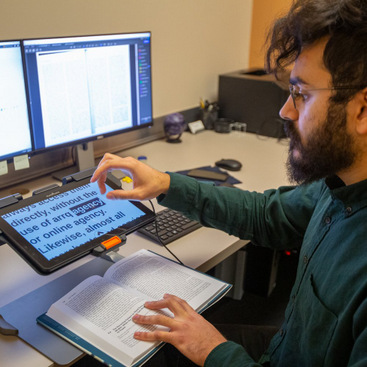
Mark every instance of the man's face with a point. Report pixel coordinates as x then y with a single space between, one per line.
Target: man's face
329 148
320 143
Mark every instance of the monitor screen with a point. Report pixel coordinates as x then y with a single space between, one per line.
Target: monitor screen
58 226
87 87
14 122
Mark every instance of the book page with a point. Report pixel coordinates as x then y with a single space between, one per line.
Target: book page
152 276
101 313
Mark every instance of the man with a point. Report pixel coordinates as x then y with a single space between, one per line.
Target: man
325 42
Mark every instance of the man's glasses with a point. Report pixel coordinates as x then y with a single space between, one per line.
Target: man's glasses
296 91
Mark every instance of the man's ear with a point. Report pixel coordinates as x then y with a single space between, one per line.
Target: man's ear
361 124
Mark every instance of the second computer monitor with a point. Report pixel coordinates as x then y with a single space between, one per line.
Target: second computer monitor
87 87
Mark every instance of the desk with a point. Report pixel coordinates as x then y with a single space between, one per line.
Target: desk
263 161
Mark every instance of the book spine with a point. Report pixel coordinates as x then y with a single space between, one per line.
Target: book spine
78 342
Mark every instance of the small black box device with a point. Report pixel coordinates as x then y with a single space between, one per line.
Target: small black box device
253 97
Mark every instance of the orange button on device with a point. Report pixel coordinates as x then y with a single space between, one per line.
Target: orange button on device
113 241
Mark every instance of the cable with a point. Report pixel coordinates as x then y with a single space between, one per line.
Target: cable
159 239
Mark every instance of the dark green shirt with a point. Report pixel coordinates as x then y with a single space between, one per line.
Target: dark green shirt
326 318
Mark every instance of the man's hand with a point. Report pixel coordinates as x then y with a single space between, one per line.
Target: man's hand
148 183
189 332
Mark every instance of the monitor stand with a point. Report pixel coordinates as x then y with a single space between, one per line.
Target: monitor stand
84 160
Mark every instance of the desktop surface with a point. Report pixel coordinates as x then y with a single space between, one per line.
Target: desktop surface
263 167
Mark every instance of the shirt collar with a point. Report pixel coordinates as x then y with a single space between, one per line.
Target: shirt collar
356 192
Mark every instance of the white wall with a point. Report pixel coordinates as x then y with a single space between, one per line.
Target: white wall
192 40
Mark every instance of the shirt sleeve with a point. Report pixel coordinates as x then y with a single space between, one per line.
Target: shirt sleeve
276 218
229 354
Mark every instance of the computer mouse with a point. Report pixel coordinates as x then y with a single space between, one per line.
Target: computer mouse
229 164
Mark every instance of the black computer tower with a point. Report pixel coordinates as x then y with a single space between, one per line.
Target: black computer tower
253 97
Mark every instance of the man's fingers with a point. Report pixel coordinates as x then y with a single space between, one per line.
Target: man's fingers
156 335
134 194
101 183
154 320
110 162
178 302
175 304
148 182
189 332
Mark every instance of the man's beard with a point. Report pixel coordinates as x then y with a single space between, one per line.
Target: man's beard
330 148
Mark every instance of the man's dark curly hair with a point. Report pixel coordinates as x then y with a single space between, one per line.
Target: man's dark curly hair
344 22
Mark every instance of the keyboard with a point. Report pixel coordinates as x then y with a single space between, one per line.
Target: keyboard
171 226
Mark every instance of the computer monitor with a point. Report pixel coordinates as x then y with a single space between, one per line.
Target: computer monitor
84 88
14 122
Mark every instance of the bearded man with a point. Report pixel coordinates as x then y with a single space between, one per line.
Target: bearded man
324 42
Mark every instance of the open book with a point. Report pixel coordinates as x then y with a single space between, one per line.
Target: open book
96 315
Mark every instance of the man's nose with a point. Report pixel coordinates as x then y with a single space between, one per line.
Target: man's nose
288 111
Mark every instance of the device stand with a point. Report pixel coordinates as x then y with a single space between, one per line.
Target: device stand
84 157
108 249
